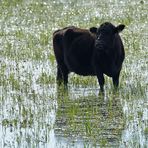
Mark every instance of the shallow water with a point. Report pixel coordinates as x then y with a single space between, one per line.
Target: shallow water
34 112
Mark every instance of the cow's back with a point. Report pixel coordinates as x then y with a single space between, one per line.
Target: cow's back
58 43
78 51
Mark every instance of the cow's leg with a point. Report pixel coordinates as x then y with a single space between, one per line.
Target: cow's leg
116 80
101 80
59 75
63 73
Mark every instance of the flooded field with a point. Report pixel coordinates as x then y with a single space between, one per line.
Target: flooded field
34 113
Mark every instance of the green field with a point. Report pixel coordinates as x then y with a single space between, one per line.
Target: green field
34 113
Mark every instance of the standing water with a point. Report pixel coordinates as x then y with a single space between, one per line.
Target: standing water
35 113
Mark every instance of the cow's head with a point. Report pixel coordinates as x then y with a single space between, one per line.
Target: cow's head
106 35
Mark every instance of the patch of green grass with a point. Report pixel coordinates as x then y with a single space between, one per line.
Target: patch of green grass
146 131
52 58
19 34
8 3
3 81
29 51
44 38
83 81
46 79
15 84
88 125
103 143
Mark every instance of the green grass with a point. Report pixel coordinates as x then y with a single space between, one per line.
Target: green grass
30 104
45 79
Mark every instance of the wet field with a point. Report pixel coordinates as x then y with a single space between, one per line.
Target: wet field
34 112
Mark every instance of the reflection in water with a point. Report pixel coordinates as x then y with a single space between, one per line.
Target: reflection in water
89 119
28 107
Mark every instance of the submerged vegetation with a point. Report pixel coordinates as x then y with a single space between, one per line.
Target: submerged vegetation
34 112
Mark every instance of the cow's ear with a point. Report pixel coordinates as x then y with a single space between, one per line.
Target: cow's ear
93 30
68 32
119 28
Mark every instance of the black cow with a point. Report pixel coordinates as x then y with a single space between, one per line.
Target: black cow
108 53
90 52
81 40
